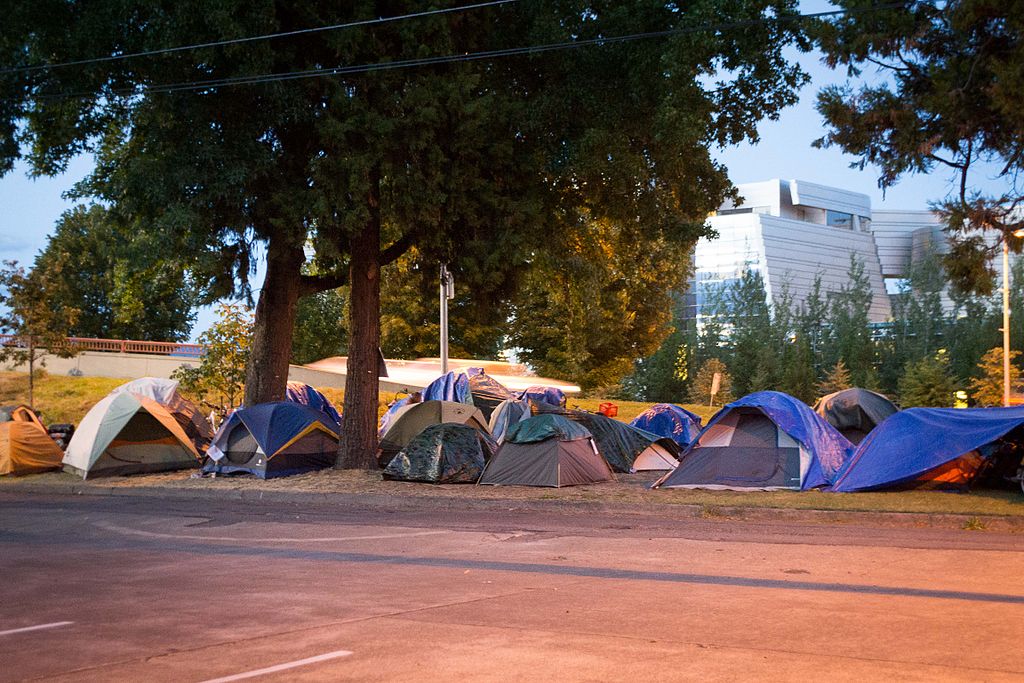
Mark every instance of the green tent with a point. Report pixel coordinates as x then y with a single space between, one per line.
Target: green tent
443 454
412 419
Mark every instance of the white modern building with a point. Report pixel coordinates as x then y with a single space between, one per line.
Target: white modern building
792 231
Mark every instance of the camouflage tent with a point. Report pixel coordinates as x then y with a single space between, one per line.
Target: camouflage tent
443 454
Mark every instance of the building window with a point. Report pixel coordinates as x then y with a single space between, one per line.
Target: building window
865 224
838 219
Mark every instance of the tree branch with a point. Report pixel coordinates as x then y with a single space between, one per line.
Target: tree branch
314 284
397 248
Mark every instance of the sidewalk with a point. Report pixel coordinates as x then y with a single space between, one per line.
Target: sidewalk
991 511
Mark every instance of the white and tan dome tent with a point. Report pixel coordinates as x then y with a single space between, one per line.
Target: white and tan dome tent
165 392
128 434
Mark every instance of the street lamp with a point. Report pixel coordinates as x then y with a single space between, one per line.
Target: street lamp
1006 317
447 292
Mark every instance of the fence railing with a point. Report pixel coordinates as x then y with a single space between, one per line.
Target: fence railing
120 346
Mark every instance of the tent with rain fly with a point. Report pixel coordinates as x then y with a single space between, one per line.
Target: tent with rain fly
487 392
126 433
165 392
552 396
302 393
765 441
669 420
937 448
443 454
547 450
625 448
413 418
854 412
508 413
25 447
274 440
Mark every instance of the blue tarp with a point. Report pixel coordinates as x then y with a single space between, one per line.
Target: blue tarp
828 448
448 387
668 420
914 441
550 395
306 395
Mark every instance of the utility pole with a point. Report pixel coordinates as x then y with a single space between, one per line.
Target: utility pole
447 292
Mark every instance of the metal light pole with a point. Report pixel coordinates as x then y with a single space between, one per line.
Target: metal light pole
1006 323
447 290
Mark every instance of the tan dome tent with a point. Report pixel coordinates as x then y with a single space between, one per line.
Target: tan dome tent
25 447
165 392
128 434
413 418
547 450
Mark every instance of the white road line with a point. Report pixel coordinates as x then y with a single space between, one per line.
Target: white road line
281 667
37 627
199 537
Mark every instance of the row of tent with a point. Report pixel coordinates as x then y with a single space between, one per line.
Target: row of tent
770 441
147 426
468 427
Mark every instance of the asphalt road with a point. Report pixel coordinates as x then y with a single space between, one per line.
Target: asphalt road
132 589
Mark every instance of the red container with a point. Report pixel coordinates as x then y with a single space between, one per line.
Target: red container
608 409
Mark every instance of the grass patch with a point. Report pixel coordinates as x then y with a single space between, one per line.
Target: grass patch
974 524
59 398
977 503
630 409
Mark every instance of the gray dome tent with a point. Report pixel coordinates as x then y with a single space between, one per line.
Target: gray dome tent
547 450
854 412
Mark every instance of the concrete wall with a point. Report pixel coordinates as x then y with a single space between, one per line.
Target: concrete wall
106 364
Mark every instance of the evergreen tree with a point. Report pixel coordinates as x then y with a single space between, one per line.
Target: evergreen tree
798 378
837 379
700 387
753 353
928 383
987 388
850 325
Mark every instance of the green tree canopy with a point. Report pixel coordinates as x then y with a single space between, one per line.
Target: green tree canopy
285 142
218 382
948 100
123 283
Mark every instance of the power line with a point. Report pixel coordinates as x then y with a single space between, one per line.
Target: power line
257 79
269 36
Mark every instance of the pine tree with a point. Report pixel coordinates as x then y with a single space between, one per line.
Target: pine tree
987 387
700 387
851 330
837 379
928 383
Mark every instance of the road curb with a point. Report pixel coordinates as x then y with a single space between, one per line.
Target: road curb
400 503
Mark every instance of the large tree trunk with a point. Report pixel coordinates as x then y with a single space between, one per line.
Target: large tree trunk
267 375
359 433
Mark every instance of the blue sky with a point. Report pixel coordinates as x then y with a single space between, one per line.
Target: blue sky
29 208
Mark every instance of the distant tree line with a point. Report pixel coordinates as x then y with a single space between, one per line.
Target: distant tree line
940 341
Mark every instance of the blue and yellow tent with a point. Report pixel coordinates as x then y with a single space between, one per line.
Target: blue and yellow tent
274 440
